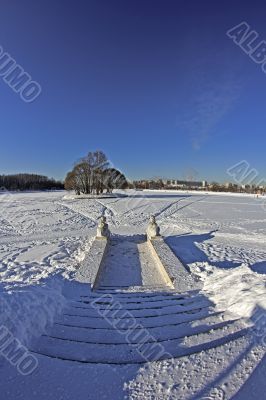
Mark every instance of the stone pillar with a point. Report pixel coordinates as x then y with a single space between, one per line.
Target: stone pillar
153 230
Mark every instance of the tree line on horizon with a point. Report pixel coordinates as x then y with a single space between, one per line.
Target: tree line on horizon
25 181
93 174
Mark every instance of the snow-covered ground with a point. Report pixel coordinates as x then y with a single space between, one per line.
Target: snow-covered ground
222 240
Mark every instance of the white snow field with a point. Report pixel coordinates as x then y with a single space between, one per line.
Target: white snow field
212 338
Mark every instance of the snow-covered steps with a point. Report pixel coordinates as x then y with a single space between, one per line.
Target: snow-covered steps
136 353
137 309
147 322
131 291
126 328
134 289
159 333
141 303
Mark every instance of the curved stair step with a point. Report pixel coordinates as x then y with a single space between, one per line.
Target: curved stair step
136 287
93 323
134 299
109 299
126 287
136 313
131 354
131 294
166 332
99 304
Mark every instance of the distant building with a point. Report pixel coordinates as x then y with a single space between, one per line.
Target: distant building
178 184
169 184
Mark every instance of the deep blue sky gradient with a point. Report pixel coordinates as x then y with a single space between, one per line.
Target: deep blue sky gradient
155 84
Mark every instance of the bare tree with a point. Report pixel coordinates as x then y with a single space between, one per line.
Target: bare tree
93 175
114 179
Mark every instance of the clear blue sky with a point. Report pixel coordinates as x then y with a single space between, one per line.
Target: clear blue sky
157 85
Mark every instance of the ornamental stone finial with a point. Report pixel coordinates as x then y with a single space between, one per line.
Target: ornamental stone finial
102 229
153 230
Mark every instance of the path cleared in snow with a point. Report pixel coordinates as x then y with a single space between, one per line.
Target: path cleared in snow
128 262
